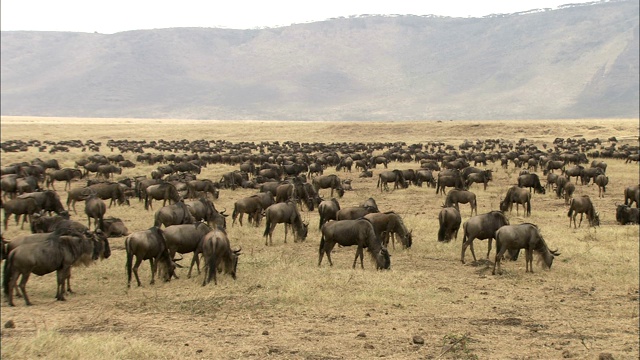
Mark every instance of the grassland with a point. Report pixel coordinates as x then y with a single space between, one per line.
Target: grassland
284 306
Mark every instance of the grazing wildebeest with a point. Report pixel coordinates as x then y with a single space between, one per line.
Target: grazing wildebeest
184 239
590 174
353 232
286 213
481 177
20 206
560 182
206 186
328 210
532 181
631 195
518 196
66 174
217 252
461 196
164 191
576 171
394 176
149 245
47 200
95 208
481 227
599 164
251 205
107 171
371 203
204 210
450 220
583 205
361 164
569 189
174 214
285 192
451 180
602 181
44 224
388 224
113 191
522 236
354 212
378 160
551 180
625 214
424 175
56 252
553 165
114 227
328 182
317 169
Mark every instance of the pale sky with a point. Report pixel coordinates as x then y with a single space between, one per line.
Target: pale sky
111 16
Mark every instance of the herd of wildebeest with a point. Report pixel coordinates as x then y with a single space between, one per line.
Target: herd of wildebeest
288 178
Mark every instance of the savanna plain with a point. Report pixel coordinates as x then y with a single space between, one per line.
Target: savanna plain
283 305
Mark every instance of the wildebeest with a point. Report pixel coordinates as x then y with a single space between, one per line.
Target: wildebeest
518 196
452 179
560 182
353 232
204 210
47 200
17 207
449 219
481 227
551 181
394 176
186 238
370 203
461 196
378 160
107 171
590 174
111 190
66 174
251 206
602 181
114 227
532 181
625 214
583 205
148 245
95 208
328 210
174 214
553 165
576 171
328 182
44 224
522 236
78 194
631 195
206 186
482 177
286 213
569 189
424 175
56 252
354 212
163 191
216 251
386 225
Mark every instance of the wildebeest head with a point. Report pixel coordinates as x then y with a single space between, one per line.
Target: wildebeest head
383 260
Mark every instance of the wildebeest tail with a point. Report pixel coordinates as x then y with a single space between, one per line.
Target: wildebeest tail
529 207
129 264
156 219
321 243
6 273
267 225
441 233
570 208
379 180
146 201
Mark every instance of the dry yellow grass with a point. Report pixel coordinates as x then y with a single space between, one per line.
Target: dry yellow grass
284 306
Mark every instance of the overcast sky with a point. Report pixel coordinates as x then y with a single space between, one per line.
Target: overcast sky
111 16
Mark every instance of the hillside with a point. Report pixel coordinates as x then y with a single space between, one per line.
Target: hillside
574 62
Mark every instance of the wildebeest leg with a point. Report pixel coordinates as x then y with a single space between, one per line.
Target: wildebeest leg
359 252
12 285
580 223
529 260
154 269
489 249
466 243
328 247
135 269
194 260
61 277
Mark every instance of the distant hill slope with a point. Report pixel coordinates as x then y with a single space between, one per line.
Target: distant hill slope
574 62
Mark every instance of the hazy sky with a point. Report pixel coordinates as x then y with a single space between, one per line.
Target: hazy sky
111 16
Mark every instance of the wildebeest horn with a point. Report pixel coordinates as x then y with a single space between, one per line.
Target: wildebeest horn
181 257
238 251
222 212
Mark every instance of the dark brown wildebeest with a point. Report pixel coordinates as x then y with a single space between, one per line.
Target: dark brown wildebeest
9 186
394 176
27 184
217 252
56 252
532 181
78 194
345 164
353 232
378 160
452 179
561 182
149 245
328 210
576 171
107 171
424 175
551 181
204 210
583 205
360 164
553 165
482 177
163 191
286 192
569 189
631 195
174 214
95 208
186 238
20 206
114 227
286 213
328 182
526 236
410 176
481 227
354 212
625 214
142 184
44 224
590 174
370 203
317 169
461 196
251 205
270 187
206 186
599 164
386 225
66 174
113 191
450 221
47 200
518 196
602 181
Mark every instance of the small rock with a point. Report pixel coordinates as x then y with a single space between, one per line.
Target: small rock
362 334
369 346
198 351
418 340
605 356
186 344
9 325
567 354
265 332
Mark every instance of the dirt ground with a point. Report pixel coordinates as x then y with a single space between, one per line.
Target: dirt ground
284 306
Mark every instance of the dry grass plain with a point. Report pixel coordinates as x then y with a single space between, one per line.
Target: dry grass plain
284 306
